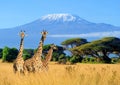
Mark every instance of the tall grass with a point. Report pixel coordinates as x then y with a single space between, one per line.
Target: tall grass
79 74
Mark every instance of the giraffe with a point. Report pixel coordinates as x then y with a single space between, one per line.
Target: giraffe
18 63
34 63
48 57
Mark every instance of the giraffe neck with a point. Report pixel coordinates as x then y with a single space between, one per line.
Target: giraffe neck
48 56
42 39
38 53
21 49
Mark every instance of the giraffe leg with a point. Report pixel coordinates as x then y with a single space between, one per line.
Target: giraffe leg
14 68
25 71
46 68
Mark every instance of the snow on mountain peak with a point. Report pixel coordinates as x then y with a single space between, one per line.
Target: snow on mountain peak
60 17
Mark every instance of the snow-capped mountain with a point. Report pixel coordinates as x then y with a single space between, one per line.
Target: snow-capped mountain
61 18
60 27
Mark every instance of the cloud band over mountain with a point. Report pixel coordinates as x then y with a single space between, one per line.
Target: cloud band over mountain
94 34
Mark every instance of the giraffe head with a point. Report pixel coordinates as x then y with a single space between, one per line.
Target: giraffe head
44 33
22 34
53 46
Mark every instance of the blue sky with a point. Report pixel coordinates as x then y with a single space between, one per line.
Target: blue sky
18 12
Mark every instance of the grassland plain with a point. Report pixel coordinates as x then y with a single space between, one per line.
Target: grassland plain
79 74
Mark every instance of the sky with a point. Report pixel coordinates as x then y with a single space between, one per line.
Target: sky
18 12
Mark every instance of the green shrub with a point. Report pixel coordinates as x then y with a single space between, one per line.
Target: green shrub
1 52
93 59
118 61
9 54
55 56
85 60
75 59
28 53
62 59
5 53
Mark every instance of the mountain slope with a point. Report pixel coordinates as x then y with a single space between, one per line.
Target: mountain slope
58 26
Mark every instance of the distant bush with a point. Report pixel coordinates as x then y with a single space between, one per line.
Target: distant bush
75 59
115 60
89 60
55 56
118 61
9 54
62 59
28 53
1 52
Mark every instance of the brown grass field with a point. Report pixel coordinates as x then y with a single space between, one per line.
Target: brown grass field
79 74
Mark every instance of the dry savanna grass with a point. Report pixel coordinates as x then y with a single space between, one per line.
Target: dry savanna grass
79 74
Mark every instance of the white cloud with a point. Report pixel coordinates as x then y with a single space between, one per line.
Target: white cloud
94 34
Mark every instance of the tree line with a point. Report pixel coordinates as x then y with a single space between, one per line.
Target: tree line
97 51
9 54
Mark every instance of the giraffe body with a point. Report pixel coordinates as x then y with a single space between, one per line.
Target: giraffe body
33 64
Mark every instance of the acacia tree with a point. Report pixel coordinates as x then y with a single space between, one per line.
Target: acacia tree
73 42
99 48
